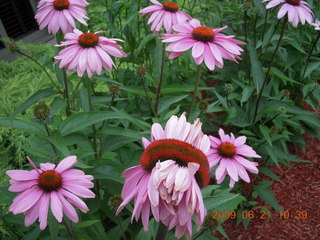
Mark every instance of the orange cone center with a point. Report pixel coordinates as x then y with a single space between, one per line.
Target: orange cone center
180 152
203 34
294 2
61 4
50 180
87 40
227 149
170 6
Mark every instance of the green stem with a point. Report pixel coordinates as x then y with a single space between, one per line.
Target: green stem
160 80
269 69
121 227
255 29
268 43
162 231
196 86
75 91
194 3
309 56
264 29
199 234
35 61
94 131
102 125
66 93
69 230
147 94
49 134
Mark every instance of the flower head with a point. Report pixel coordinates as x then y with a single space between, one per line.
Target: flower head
88 52
296 9
55 185
316 25
230 152
166 14
61 14
173 168
208 45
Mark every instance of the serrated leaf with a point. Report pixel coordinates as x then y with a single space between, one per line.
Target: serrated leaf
263 189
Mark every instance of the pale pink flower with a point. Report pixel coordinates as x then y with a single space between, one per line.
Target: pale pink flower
166 14
61 14
316 25
88 52
296 10
173 168
208 45
230 152
57 186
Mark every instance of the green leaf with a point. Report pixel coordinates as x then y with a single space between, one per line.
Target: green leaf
265 133
294 43
144 42
279 74
269 173
29 126
57 140
272 154
256 68
263 189
247 92
311 68
118 131
86 223
53 227
166 102
34 98
223 200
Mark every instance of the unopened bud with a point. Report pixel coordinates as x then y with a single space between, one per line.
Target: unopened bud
203 105
141 70
12 46
286 92
274 130
114 89
247 4
228 87
282 110
41 111
115 201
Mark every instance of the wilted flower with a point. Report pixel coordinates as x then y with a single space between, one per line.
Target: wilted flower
229 152
61 14
166 14
173 168
51 184
295 8
208 45
88 52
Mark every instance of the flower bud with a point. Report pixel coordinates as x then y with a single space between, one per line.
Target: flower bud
203 105
115 201
114 89
274 130
286 92
228 87
141 70
41 111
12 46
282 110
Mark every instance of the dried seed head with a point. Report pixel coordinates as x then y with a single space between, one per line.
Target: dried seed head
141 70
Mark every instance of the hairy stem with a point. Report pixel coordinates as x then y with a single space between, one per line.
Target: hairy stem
147 94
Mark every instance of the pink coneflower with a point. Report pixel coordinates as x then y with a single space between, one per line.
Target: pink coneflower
295 8
88 52
173 168
208 45
166 14
230 152
61 14
57 186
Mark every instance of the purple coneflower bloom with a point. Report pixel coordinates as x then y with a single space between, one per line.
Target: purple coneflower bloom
61 14
173 168
166 14
208 45
88 52
229 152
57 186
296 10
